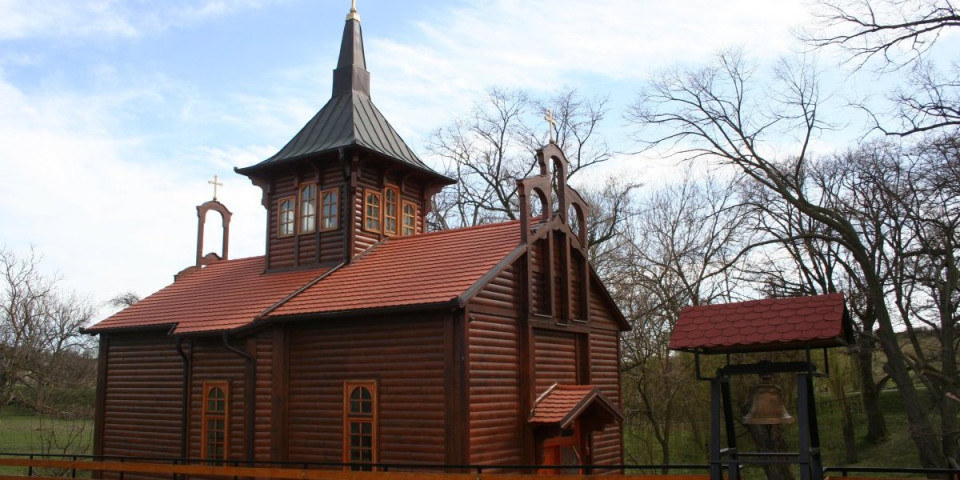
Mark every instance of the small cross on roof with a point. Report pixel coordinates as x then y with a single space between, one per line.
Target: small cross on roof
215 184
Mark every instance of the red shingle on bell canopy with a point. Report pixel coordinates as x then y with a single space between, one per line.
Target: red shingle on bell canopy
221 296
431 268
764 325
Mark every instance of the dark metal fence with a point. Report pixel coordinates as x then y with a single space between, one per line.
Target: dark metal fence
32 461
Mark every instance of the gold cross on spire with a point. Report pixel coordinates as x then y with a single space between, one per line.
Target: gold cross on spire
215 184
552 121
353 15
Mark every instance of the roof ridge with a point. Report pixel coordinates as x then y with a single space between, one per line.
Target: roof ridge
762 300
454 230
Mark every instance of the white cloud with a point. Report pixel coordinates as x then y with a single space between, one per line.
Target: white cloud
547 44
110 18
90 204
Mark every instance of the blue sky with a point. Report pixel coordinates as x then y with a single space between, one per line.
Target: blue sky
114 113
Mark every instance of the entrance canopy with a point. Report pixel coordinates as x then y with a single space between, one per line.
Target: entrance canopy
561 405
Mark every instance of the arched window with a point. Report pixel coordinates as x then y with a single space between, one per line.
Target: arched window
360 424
329 209
308 208
409 218
215 402
371 210
286 217
391 200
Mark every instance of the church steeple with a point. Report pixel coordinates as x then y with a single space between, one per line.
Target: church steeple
351 74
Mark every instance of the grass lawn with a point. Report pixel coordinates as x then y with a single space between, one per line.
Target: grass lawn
898 451
23 432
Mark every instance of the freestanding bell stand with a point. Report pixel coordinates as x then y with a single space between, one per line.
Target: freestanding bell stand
721 406
771 325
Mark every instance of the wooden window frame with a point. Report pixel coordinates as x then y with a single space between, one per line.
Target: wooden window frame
336 210
300 215
373 419
403 217
396 216
293 205
207 415
366 214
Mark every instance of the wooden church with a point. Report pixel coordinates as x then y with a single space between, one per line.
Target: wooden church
360 339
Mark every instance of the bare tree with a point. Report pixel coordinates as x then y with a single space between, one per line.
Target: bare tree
682 250
39 331
716 114
902 34
493 146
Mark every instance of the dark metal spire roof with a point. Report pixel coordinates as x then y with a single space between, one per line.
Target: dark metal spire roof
349 118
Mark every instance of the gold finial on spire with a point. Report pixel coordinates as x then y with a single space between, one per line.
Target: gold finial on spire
552 121
215 184
353 15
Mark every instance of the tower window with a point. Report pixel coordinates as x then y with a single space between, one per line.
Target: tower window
371 210
329 209
308 208
409 218
286 217
391 199
215 401
360 424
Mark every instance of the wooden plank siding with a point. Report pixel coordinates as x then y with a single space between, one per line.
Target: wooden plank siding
143 396
263 413
280 250
305 249
494 346
555 358
605 372
211 361
405 355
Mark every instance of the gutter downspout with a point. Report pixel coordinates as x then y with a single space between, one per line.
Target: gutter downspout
251 396
185 401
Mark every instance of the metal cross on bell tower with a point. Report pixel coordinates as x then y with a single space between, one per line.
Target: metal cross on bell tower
216 183
553 123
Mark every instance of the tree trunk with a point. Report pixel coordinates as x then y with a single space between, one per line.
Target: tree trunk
921 431
849 433
869 390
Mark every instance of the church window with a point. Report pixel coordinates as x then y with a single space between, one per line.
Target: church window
409 218
360 424
215 401
286 218
371 210
308 208
329 209
391 199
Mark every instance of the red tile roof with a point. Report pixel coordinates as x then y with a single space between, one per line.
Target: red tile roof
764 325
221 296
403 271
423 269
562 404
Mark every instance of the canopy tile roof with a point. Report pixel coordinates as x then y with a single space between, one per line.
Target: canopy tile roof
764 325
220 296
431 268
562 404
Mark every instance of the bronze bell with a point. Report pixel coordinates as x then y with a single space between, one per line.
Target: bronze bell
767 407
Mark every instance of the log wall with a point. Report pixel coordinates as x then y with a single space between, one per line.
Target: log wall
404 355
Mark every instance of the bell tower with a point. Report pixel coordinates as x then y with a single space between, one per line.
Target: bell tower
225 214
347 180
